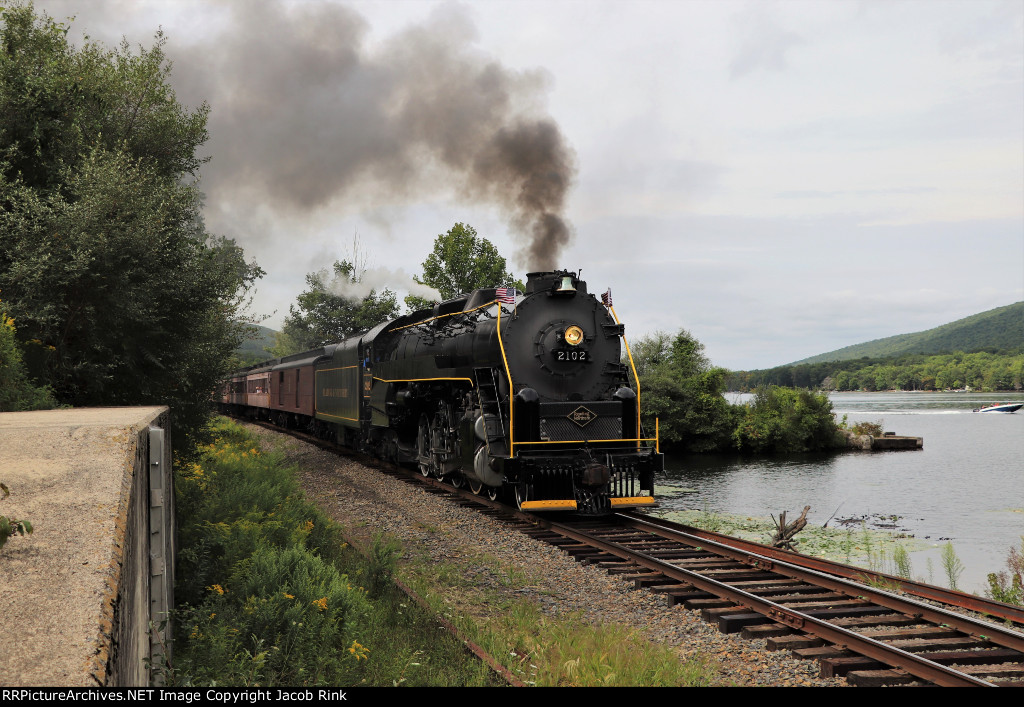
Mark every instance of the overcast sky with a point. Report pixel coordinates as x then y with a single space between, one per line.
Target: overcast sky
780 178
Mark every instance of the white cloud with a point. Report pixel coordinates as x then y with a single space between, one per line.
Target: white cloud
782 179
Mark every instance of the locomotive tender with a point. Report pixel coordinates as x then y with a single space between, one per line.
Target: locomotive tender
517 394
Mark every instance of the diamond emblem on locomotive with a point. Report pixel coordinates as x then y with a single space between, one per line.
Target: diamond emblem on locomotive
582 416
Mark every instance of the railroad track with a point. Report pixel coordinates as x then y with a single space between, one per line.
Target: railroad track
871 636
1013 614
815 608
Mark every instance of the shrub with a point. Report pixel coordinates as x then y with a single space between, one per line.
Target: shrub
283 617
239 499
786 420
868 428
262 601
11 526
1008 586
17 393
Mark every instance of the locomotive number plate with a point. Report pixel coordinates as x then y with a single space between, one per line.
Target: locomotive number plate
574 355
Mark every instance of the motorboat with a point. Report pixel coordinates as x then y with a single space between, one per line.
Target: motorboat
1000 407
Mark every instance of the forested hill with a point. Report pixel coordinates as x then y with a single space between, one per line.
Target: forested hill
255 350
997 330
982 352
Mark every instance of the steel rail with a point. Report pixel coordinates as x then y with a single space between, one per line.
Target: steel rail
999 635
894 657
925 591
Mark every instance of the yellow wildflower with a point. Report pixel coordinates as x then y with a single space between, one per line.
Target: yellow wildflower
320 603
288 596
359 651
217 588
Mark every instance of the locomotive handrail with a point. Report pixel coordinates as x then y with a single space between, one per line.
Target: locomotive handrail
592 441
418 380
336 417
511 397
631 364
442 316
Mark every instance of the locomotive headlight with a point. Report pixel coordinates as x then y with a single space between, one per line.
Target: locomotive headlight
573 335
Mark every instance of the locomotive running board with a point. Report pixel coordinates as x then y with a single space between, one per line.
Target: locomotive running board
632 502
566 505
570 505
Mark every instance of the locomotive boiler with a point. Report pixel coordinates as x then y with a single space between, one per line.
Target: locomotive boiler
521 394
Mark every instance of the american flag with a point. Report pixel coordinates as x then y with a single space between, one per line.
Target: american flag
506 295
606 298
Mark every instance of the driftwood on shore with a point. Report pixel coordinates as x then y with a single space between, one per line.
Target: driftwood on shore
783 537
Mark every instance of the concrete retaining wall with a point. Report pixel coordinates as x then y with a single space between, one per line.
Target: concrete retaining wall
83 599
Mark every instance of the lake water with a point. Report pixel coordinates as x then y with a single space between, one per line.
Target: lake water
965 486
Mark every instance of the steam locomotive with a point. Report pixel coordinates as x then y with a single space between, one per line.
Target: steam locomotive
518 394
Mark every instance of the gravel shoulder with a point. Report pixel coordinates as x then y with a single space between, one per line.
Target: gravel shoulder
366 502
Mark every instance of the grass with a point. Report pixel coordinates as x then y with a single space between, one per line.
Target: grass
901 559
270 594
879 551
542 649
952 565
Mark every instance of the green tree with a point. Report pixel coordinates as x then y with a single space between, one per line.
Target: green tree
120 294
461 262
16 390
650 352
331 309
57 103
680 387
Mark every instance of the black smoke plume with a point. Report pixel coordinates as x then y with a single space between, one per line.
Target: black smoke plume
307 113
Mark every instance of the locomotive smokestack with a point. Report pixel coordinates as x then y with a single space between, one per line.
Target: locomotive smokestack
306 115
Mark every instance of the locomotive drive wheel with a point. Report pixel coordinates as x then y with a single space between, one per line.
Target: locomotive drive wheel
424 457
493 492
442 443
475 486
456 480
